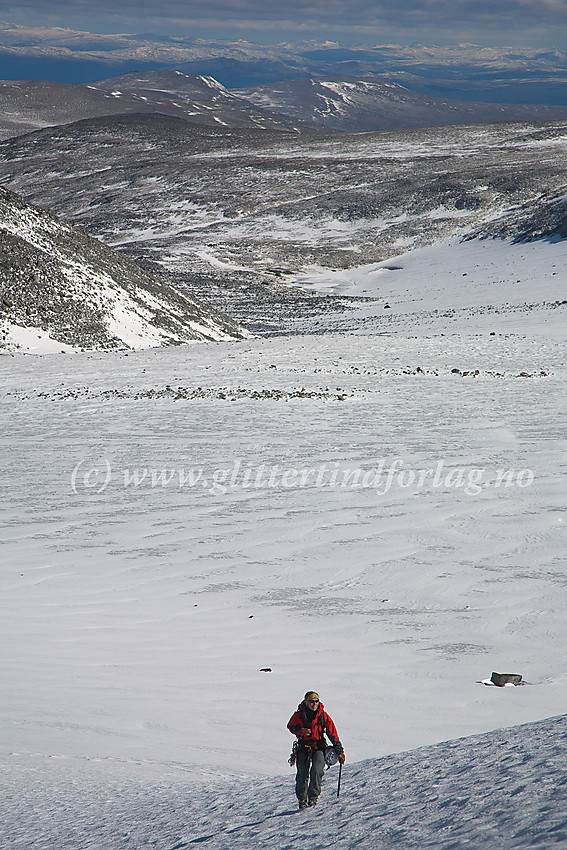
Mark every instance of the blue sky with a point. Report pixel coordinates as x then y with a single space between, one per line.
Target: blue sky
537 23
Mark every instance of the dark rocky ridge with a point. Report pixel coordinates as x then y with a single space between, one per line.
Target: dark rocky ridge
27 105
83 294
339 103
544 219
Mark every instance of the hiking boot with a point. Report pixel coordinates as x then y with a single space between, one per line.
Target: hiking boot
303 804
312 801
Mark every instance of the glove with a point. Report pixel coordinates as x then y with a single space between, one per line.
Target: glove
304 733
342 757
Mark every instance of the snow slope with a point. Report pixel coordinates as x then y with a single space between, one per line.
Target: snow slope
381 103
502 790
489 285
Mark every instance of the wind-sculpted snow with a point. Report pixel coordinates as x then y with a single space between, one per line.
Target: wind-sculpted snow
501 791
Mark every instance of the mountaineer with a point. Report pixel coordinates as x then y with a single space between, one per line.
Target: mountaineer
310 723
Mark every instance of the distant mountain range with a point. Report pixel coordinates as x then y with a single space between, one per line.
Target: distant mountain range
289 106
29 104
460 71
60 286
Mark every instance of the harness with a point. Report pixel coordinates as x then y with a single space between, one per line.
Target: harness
321 743
306 722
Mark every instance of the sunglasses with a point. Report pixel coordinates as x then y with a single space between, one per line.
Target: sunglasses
313 700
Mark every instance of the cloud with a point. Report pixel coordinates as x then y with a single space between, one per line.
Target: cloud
362 12
463 18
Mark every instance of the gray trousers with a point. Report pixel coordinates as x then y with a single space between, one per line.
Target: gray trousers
308 782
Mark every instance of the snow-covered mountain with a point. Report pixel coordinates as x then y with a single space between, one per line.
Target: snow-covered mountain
65 55
200 98
296 105
172 83
62 290
378 104
509 74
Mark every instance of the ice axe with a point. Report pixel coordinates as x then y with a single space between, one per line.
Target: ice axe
340 773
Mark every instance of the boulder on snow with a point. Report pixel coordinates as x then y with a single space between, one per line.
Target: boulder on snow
501 679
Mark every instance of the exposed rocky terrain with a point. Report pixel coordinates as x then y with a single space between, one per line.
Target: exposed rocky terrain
232 214
541 218
58 283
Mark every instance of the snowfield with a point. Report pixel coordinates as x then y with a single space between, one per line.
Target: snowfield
487 285
347 510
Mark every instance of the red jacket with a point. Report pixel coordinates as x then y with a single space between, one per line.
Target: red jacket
320 724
